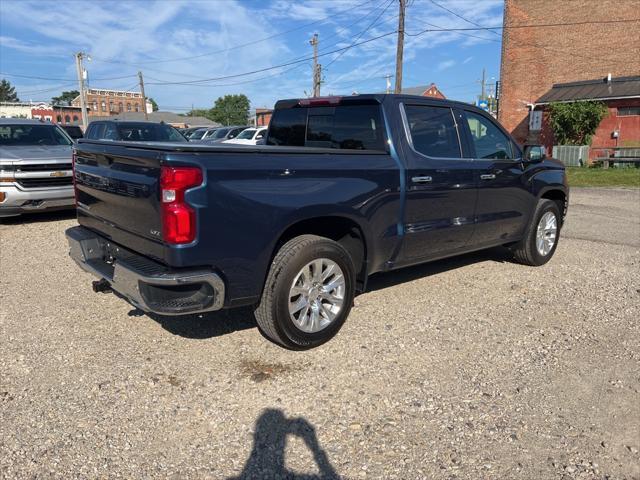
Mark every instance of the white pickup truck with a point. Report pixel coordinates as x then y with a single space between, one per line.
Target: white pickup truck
35 167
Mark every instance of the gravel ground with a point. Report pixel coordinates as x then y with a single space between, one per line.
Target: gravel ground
468 368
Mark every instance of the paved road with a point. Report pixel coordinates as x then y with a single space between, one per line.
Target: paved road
468 368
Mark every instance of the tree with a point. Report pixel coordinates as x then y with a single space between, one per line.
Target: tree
65 98
231 110
7 92
154 105
199 112
575 123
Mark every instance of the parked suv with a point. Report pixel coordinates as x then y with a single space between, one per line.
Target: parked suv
35 167
124 131
223 133
345 187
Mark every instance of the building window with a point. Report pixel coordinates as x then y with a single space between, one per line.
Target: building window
137 107
59 118
628 111
120 108
95 105
75 118
111 106
103 106
128 107
67 119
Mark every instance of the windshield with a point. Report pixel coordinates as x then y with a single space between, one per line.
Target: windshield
145 132
24 135
197 135
247 134
221 133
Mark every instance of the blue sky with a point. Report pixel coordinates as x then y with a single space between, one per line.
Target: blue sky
38 39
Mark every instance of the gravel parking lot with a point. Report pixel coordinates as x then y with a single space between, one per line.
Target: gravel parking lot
469 368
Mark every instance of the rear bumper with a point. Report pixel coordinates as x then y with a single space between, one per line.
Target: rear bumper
148 285
17 201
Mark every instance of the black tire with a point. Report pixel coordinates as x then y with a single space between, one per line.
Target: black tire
525 251
272 313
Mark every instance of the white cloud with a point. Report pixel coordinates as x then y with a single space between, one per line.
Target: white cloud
444 65
123 40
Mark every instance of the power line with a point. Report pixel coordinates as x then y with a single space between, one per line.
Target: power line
540 25
322 20
458 15
59 79
362 33
45 90
274 66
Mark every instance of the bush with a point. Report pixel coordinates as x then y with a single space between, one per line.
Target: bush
575 123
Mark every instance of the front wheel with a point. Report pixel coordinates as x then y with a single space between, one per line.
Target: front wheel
541 239
308 293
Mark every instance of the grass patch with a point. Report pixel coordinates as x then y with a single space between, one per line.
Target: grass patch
598 177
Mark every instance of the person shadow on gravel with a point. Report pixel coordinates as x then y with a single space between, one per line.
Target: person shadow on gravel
269 441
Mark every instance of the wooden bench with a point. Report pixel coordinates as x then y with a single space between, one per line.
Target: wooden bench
606 161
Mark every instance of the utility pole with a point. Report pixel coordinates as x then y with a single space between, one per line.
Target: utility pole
144 99
80 70
316 67
400 48
388 77
483 93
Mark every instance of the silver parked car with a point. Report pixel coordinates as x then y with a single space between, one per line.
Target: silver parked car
35 167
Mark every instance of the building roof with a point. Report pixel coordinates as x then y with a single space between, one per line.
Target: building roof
420 90
22 121
166 117
600 89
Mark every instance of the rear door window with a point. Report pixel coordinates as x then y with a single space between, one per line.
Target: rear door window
433 131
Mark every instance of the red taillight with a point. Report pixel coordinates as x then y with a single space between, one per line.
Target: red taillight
178 217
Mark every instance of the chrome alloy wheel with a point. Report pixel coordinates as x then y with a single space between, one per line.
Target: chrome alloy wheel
316 295
547 233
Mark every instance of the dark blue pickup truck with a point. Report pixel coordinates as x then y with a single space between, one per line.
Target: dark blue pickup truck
344 187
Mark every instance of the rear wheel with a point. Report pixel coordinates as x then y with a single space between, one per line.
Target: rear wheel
541 239
308 293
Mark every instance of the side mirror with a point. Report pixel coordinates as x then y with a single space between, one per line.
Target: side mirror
534 153
258 137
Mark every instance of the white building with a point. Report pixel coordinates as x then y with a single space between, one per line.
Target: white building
20 109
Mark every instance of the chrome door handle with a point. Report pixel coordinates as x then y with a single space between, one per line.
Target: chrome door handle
487 176
425 179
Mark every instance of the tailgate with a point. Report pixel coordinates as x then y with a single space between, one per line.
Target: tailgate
117 189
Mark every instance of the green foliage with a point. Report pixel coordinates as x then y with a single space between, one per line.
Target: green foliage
65 98
575 123
154 105
230 110
7 92
199 112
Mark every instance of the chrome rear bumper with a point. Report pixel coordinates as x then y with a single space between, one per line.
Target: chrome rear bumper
148 285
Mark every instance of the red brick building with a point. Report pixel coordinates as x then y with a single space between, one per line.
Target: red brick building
550 42
263 117
619 128
104 102
424 91
65 115
42 112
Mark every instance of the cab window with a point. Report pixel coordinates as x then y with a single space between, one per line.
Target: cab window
488 139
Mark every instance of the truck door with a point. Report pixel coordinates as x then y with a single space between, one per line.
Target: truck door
504 199
441 184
